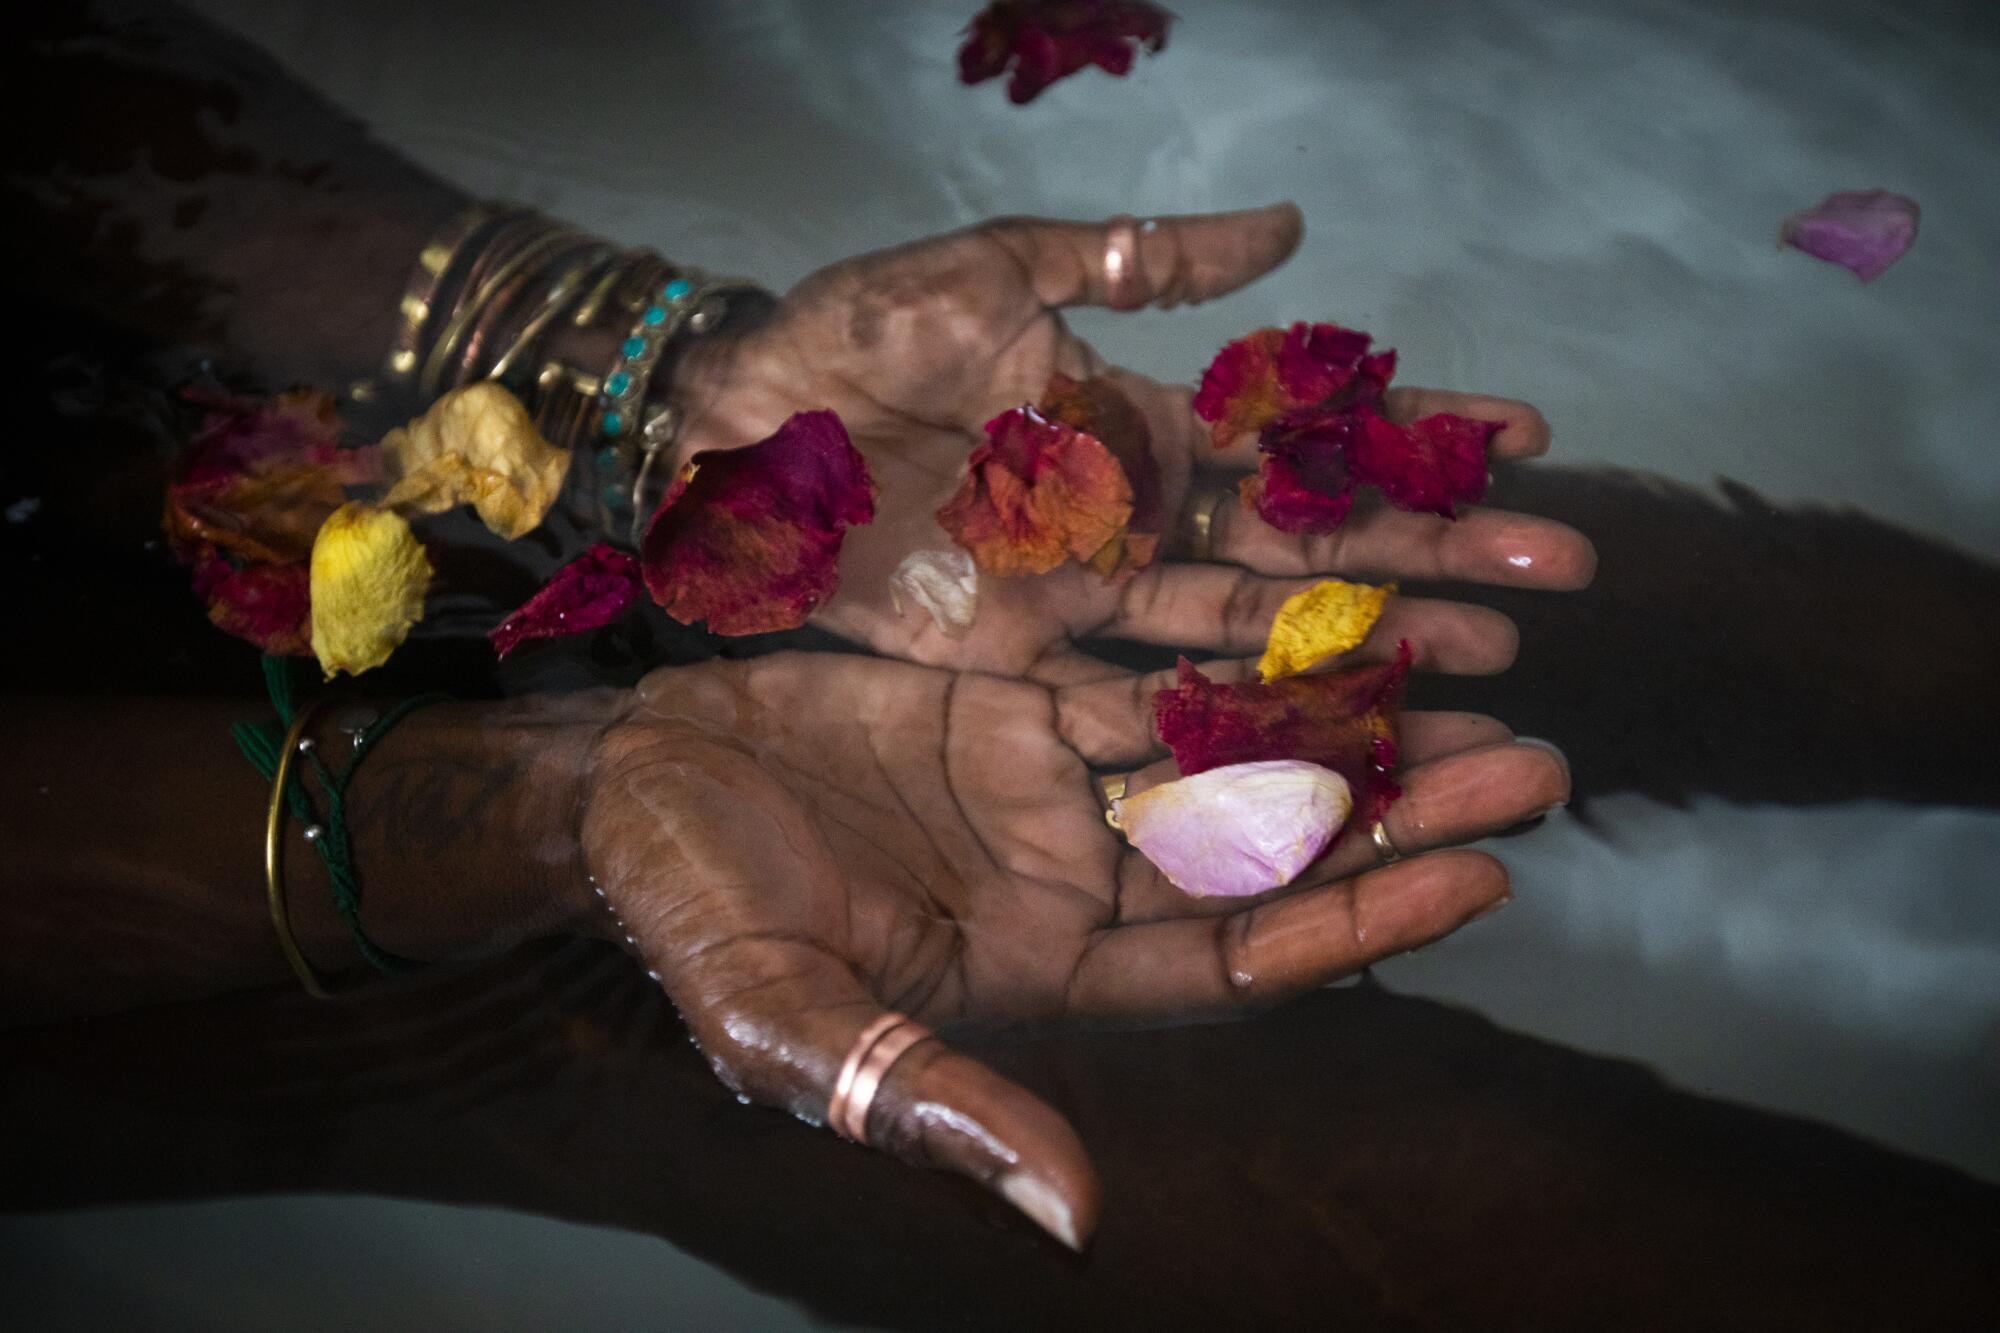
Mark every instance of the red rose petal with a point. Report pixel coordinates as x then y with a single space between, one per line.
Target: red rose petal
1429 466
752 542
268 605
588 593
1098 407
1272 374
1047 40
1313 396
1345 720
1303 484
1038 492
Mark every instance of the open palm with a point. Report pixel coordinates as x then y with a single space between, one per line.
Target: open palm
916 347
928 841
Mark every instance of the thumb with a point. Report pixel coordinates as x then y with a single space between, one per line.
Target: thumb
782 1020
1192 258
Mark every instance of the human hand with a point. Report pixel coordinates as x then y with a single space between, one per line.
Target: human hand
799 842
917 347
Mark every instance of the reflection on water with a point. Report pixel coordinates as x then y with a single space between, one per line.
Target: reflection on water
1359 1156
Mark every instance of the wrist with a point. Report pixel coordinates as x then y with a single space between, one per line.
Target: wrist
464 825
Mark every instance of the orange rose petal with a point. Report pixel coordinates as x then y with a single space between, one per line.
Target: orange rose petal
1038 492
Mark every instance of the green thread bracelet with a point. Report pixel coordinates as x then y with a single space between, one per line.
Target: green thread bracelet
263 744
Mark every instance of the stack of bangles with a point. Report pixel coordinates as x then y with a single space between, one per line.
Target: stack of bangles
586 333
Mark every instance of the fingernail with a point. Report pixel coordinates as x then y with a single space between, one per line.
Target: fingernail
1490 908
1560 758
1047 1208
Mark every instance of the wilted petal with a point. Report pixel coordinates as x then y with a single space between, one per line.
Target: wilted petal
1047 40
1429 466
1864 231
1303 483
368 579
1311 370
1099 408
478 446
944 583
267 605
588 593
259 477
1240 829
1344 720
1330 617
1038 492
751 542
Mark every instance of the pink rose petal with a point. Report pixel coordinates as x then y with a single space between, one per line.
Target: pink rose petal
1864 231
1239 829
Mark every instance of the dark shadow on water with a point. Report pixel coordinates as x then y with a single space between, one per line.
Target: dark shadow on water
1736 648
1357 1159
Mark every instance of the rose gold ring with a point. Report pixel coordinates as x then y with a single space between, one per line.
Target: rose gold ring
876 1051
843 1087
1124 280
1379 835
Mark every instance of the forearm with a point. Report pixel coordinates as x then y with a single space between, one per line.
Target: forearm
180 185
132 839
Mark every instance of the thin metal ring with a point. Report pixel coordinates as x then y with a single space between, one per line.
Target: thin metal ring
274 857
1110 791
850 1120
1379 835
1124 278
843 1087
1203 502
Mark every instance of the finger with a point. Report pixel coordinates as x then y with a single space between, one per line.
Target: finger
1269 952
1456 799
1422 739
1450 797
1108 718
1479 546
943 1109
1524 432
778 1017
1191 258
1229 609
1109 722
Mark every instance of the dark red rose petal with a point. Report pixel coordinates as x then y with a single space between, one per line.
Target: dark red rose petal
752 543
1304 372
1345 720
1429 466
588 593
1047 40
1303 484
268 605
1036 493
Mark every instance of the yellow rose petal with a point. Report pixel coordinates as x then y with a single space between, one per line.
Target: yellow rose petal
1325 619
368 578
478 446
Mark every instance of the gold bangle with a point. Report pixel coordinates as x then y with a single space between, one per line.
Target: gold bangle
470 309
274 869
561 292
434 261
